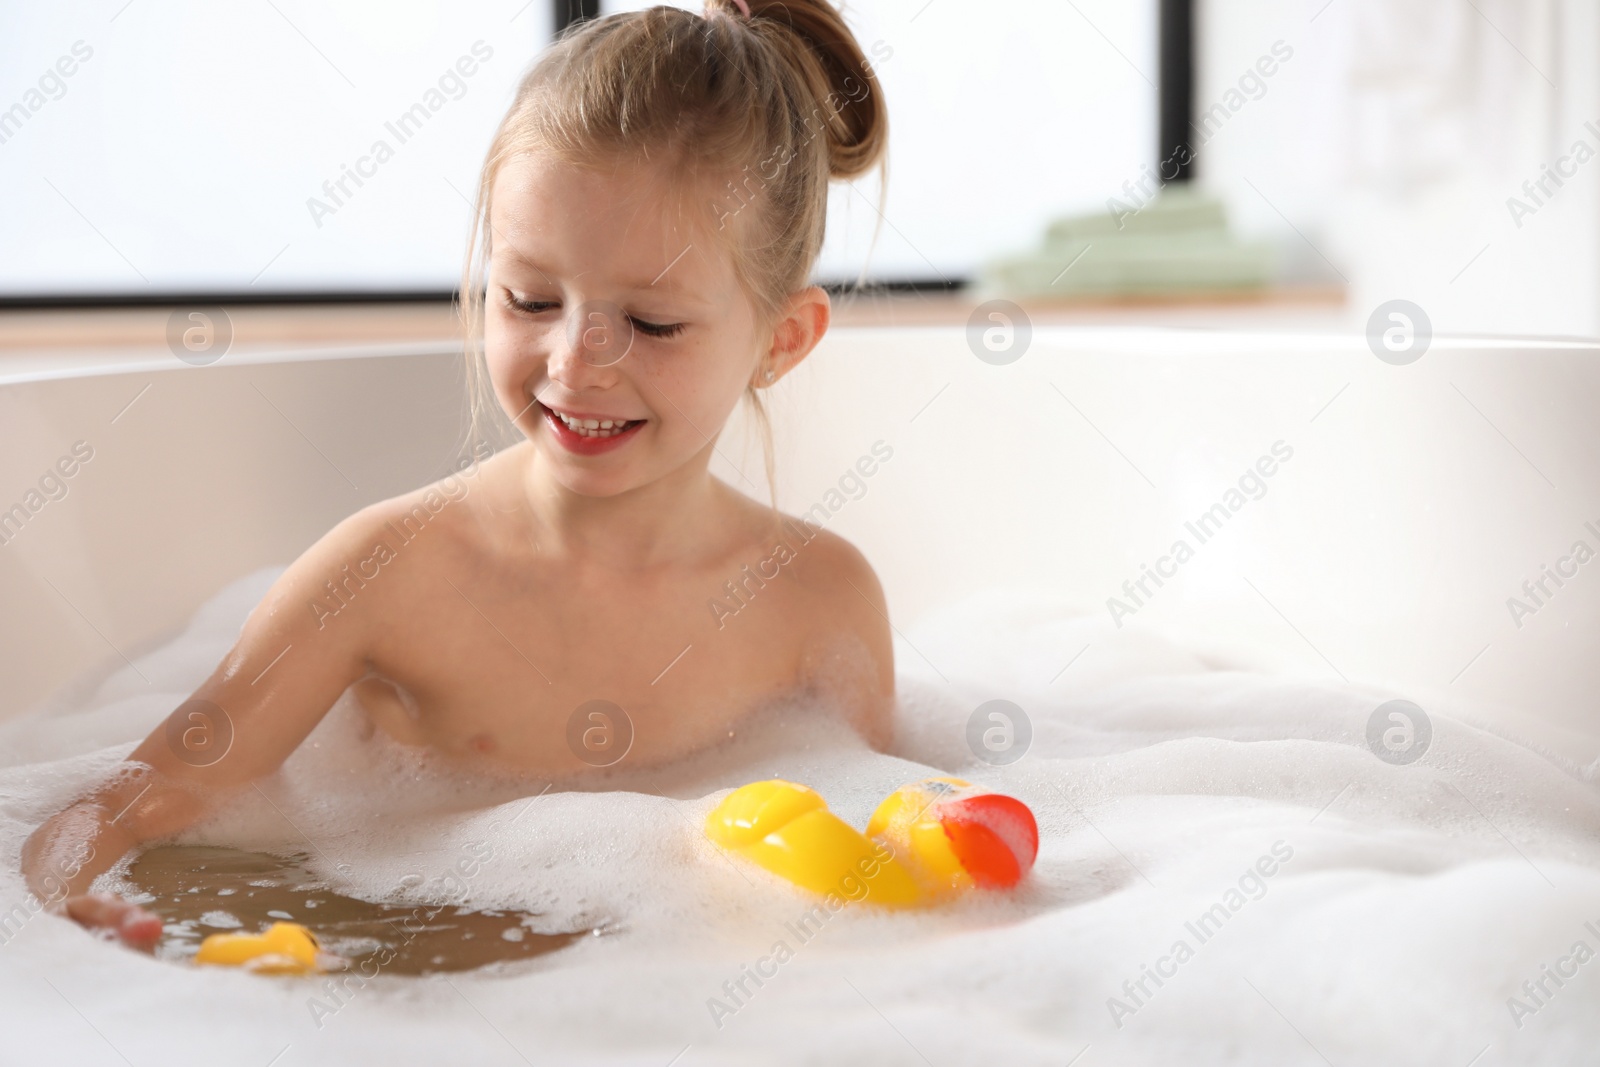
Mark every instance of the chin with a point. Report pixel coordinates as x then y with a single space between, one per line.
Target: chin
590 483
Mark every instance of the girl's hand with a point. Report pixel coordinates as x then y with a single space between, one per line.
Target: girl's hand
109 913
164 786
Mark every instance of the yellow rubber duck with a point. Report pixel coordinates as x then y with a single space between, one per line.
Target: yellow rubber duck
788 829
283 948
925 842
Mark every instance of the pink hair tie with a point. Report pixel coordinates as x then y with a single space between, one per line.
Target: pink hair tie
743 5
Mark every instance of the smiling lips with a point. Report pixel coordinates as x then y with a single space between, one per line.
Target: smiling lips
588 434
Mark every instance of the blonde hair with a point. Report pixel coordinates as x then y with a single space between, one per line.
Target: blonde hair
781 101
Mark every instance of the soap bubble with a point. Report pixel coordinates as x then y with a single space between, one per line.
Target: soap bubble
998 332
599 733
199 335
999 732
1399 732
199 732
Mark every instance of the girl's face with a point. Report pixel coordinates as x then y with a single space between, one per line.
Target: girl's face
610 300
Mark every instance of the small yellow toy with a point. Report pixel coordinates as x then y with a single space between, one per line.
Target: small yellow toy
925 842
283 948
955 835
789 830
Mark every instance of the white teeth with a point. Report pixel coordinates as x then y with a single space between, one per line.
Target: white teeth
592 427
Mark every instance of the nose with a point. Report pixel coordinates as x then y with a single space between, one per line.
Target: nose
596 336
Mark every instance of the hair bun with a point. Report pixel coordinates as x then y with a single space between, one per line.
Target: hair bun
824 52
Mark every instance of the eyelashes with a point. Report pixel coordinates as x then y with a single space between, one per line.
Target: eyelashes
530 306
650 329
656 330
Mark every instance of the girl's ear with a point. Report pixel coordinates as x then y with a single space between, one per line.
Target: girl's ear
804 320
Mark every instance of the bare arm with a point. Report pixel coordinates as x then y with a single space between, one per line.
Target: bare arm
273 687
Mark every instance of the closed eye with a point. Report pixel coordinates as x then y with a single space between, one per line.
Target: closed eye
653 329
530 306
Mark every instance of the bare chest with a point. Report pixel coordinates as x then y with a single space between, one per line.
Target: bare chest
549 678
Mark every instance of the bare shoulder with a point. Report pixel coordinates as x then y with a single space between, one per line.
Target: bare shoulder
455 512
448 501
849 648
340 573
838 567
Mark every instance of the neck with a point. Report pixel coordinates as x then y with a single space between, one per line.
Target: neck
660 522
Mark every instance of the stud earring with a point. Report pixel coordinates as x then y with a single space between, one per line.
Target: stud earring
769 376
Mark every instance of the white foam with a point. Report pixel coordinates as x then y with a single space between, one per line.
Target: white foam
1416 900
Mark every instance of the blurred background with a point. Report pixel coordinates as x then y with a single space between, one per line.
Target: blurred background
1336 153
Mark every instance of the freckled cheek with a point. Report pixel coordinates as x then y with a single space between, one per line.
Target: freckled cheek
695 396
516 359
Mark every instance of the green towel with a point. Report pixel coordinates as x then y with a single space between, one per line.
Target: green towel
1175 243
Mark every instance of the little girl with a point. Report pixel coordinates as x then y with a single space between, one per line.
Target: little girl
648 216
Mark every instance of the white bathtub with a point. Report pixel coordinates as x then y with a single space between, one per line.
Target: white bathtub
1417 502
1181 735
